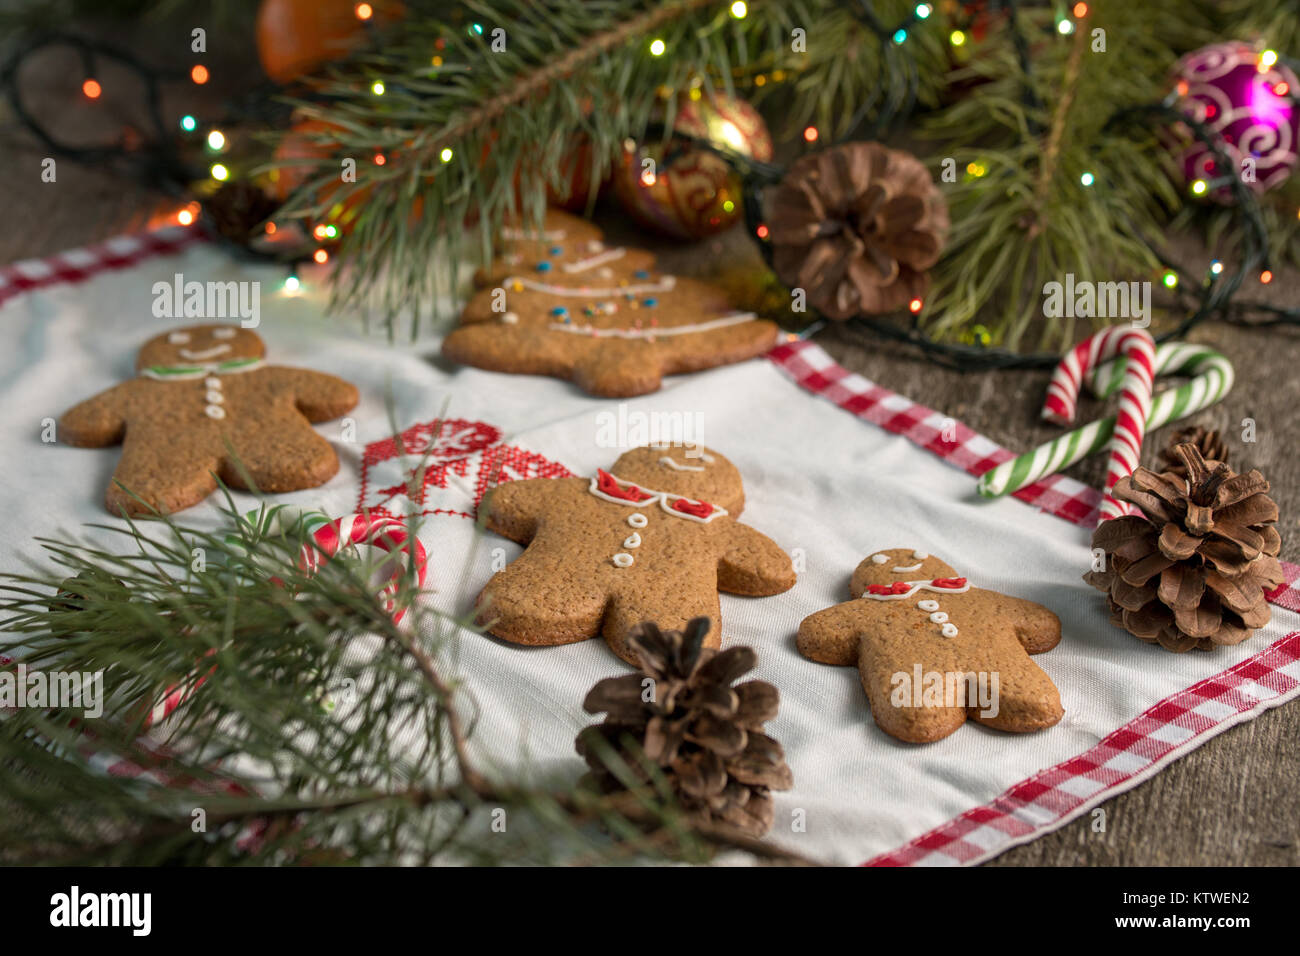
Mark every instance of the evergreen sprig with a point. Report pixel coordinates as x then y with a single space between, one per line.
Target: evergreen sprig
1047 187
485 132
293 742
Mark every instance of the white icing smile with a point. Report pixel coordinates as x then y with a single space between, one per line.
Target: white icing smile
905 570
201 354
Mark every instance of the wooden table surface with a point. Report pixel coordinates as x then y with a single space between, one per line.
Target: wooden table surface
1232 801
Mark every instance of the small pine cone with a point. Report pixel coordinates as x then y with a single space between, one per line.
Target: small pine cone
704 735
1208 442
858 226
1192 571
238 208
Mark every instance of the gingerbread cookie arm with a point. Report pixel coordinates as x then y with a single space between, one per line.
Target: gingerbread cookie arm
1037 628
752 563
100 421
319 396
832 636
514 509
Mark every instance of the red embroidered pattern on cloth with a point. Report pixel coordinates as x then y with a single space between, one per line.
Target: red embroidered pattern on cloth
443 468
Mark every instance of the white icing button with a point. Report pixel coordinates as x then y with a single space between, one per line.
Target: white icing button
215 411
637 520
622 560
605 272
214 396
928 605
212 382
510 318
939 617
920 555
949 630
879 558
632 541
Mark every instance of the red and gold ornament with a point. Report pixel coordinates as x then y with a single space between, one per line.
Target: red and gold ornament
687 192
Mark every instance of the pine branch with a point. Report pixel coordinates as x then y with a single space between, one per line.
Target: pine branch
279 776
481 135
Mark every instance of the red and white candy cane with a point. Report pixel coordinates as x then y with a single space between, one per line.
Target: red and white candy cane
1125 444
385 534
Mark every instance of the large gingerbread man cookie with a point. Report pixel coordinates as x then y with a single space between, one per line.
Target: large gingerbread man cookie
563 303
932 650
206 406
654 539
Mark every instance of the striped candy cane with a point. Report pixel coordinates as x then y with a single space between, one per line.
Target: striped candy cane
385 534
1125 443
1212 380
327 539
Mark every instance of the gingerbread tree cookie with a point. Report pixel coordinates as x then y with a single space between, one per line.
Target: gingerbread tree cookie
204 406
654 539
932 650
562 303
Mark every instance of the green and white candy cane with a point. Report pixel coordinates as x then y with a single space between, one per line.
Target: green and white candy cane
271 521
1212 378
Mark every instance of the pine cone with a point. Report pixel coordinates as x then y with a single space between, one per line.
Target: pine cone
1191 573
857 226
237 208
705 735
1207 441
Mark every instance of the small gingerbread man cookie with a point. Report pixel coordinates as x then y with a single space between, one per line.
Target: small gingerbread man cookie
932 650
654 539
206 405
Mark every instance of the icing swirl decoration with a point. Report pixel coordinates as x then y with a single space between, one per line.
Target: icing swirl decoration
1244 96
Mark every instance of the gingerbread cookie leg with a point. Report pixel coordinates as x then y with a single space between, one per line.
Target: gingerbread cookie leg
896 687
288 454
670 608
163 473
1027 699
527 604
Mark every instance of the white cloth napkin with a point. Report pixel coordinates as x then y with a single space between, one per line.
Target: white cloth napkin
825 485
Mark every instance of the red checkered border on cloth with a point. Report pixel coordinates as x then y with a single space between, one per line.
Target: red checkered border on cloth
1043 802
1055 796
77 265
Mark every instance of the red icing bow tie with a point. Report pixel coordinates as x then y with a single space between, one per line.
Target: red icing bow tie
904 587
696 509
898 587
609 485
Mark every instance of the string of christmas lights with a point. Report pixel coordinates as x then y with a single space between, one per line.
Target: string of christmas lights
160 161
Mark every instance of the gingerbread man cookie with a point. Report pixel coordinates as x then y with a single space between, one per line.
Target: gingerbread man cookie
204 406
563 303
654 539
932 650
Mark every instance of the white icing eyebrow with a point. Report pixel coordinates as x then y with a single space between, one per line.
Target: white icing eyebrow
178 338
677 466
